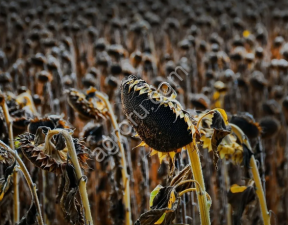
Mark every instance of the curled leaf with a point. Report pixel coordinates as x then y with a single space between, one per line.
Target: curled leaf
6 181
221 129
163 205
185 174
70 206
239 197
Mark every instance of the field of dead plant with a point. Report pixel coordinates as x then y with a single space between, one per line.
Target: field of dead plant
168 112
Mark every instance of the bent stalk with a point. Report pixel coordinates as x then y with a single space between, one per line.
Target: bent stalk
198 176
194 190
16 208
259 189
28 179
125 177
80 176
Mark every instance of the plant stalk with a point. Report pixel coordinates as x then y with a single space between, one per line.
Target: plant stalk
28 179
198 176
82 182
259 189
125 177
16 208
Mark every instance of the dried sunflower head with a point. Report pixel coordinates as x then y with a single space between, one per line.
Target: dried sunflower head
93 134
52 122
160 121
247 124
200 101
270 127
48 151
87 106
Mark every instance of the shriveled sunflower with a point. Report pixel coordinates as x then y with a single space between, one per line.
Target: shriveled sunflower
5 157
49 151
21 109
246 122
51 121
230 149
213 127
159 120
87 106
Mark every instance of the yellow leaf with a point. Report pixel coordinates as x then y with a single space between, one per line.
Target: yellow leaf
171 200
235 188
154 193
223 114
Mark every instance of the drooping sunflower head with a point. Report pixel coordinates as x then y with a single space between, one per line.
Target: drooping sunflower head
87 106
47 149
247 123
158 118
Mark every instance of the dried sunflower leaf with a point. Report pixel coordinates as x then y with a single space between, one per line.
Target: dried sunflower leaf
60 142
220 131
5 182
163 198
239 197
247 154
185 174
218 122
152 217
5 157
70 206
41 134
163 203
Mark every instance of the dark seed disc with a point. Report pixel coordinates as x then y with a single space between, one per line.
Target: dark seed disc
156 125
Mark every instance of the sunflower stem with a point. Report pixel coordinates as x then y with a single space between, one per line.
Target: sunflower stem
259 189
125 177
16 208
198 176
28 179
82 183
